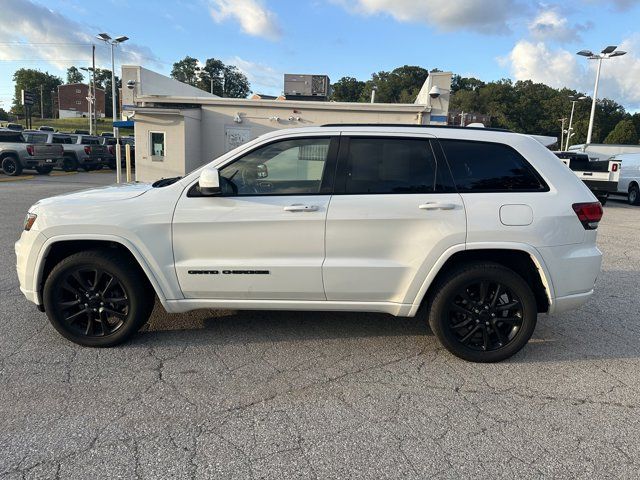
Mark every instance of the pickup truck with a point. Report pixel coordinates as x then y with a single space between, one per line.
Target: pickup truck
76 154
16 154
110 143
601 176
89 153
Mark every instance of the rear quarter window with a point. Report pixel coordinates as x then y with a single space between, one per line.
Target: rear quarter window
490 167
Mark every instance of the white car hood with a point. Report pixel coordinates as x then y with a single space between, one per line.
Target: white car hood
103 194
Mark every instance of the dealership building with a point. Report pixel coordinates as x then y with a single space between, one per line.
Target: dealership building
179 127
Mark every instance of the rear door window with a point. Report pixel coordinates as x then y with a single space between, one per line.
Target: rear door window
389 165
61 139
490 167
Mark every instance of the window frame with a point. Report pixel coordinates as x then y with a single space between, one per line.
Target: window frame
328 172
157 158
527 164
442 168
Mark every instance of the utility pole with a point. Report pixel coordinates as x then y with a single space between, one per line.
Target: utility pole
95 97
563 119
41 102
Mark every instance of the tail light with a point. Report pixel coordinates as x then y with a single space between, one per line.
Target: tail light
31 150
614 167
111 150
87 150
589 214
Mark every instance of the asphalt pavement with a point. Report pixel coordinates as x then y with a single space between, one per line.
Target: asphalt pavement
227 394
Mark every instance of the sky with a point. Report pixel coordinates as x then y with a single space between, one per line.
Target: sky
487 39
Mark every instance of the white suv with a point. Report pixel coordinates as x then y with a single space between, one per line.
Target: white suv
478 230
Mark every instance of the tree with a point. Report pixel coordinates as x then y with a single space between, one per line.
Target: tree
74 75
624 133
347 89
103 80
3 115
401 85
459 83
186 71
34 81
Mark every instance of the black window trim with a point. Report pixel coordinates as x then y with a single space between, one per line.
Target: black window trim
328 172
340 184
527 164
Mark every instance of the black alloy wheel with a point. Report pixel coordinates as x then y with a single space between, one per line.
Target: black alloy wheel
485 315
98 298
11 166
92 302
483 312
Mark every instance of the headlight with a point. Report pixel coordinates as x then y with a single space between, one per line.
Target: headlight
29 220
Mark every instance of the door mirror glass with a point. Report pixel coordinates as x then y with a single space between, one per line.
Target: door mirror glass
209 182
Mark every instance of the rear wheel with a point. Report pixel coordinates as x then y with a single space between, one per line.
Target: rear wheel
69 164
87 168
634 194
483 312
44 170
11 166
97 298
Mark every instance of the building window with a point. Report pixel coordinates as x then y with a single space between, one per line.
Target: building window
78 102
78 90
156 141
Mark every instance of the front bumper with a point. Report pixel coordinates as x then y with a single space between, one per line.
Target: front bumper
27 250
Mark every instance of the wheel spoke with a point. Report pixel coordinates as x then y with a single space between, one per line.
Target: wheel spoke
508 306
515 321
68 287
484 287
71 303
75 316
116 300
465 296
501 338
463 323
461 309
89 330
115 313
468 336
485 338
103 323
496 296
107 286
81 282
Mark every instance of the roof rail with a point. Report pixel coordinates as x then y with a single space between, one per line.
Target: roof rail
411 125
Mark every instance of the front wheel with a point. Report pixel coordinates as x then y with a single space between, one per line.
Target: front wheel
69 164
97 298
483 312
634 195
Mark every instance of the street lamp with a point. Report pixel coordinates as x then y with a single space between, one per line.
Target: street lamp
573 107
608 52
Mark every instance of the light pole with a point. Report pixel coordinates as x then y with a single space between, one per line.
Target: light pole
608 52
573 107
91 97
114 42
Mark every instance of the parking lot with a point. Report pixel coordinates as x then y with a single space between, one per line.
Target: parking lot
226 394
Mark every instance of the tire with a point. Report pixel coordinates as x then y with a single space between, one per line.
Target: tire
11 166
114 308
98 167
69 164
44 170
634 195
469 326
87 168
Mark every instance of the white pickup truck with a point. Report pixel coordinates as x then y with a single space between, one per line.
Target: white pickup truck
601 176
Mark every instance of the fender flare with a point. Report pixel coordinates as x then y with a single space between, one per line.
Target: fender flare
535 255
50 241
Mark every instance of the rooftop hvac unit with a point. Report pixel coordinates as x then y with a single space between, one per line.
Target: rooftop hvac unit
306 85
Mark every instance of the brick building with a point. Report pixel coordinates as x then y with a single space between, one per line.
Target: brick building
72 101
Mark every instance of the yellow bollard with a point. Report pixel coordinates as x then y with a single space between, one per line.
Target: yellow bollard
127 159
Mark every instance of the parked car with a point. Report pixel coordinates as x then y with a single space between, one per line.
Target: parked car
629 183
16 154
15 126
46 128
68 163
88 153
601 176
110 143
477 230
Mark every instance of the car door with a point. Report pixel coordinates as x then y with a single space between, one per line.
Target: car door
263 237
393 214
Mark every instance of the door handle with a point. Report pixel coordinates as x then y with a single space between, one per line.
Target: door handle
437 206
301 208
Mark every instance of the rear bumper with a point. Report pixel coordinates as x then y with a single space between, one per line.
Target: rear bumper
574 270
601 187
41 162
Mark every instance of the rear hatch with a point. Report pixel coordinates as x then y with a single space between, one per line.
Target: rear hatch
45 151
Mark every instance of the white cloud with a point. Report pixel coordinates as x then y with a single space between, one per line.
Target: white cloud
254 18
485 16
550 25
263 78
563 68
56 39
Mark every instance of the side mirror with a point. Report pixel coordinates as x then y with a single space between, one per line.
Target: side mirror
209 182
262 170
